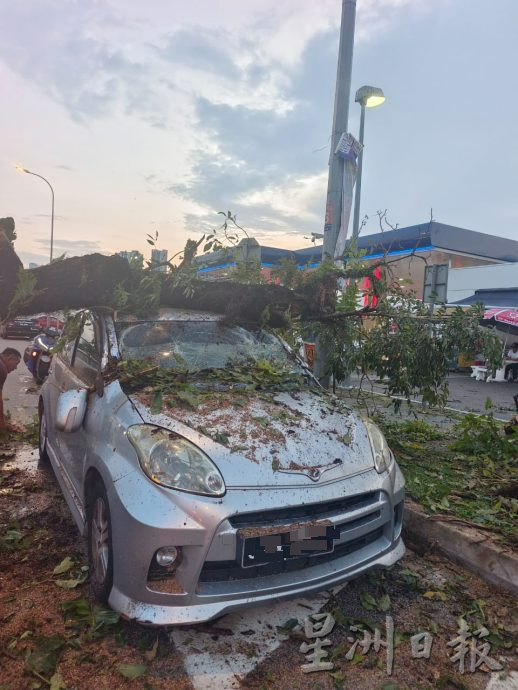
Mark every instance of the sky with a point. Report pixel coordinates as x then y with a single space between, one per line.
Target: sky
153 117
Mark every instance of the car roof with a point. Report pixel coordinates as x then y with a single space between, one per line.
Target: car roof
169 314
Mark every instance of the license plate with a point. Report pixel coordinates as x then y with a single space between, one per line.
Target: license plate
308 540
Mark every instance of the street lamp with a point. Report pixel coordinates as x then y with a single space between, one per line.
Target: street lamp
29 172
367 97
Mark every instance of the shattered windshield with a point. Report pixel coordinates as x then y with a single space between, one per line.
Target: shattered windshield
197 345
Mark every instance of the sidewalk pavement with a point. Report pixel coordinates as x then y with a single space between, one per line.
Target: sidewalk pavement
465 394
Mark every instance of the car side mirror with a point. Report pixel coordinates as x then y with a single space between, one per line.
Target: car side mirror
71 410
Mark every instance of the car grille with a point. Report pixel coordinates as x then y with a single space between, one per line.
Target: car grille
370 503
322 511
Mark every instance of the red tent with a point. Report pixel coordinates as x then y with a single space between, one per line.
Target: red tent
503 319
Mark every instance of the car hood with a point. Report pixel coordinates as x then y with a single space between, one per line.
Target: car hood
269 439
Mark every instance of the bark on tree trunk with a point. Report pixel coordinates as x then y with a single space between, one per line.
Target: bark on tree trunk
253 303
81 281
10 264
88 281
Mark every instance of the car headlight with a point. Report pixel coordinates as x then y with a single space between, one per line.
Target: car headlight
175 462
380 450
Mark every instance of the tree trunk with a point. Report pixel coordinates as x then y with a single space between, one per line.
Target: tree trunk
81 281
255 303
10 265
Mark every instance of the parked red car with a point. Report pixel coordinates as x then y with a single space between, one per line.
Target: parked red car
48 321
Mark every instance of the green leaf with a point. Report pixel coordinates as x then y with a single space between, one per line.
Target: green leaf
221 437
76 609
72 583
132 671
338 678
57 683
190 399
435 595
151 654
44 656
65 565
384 603
367 601
157 403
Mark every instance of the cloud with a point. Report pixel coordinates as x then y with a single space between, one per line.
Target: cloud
77 246
296 198
48 215
55 45
265 165
244 92
202 50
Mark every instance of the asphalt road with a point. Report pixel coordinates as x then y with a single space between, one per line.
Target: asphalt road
466 394
20 390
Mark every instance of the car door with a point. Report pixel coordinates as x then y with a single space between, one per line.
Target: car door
81 372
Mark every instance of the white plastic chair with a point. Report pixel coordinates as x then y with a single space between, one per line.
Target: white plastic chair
498 377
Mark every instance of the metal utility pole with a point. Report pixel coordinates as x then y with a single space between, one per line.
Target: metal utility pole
337 207
340 121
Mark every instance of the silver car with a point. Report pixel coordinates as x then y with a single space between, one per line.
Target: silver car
208 469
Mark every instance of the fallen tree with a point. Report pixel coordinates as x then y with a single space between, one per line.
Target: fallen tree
95 280
394 337
10 266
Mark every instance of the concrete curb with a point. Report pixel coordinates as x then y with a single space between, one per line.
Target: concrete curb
470 547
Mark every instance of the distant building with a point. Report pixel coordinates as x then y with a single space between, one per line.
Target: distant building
494 286
33 265
159 256
408 249
133 257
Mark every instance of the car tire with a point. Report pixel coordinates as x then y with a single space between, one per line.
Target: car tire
42 435
100 552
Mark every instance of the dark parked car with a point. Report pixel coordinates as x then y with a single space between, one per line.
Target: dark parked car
19 328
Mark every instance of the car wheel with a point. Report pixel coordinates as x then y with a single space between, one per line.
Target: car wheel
100 556
42 436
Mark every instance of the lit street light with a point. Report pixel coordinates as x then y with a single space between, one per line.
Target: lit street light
24 170
367 97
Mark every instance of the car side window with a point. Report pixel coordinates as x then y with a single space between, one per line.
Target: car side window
87 358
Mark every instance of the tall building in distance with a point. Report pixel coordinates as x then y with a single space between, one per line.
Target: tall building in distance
159 256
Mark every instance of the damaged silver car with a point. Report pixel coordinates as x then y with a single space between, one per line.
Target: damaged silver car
208 469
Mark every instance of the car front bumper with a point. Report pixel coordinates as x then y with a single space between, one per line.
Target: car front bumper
210 581
199 611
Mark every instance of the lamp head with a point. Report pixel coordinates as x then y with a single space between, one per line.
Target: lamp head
369 96
21 169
